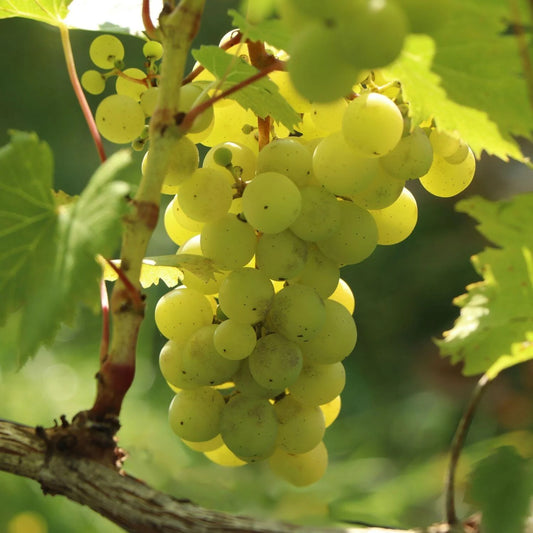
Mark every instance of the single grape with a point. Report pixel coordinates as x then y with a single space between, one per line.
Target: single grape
223 456
245 383
207 445
93 82
318 384
105 50
234 340
344 295
192 95
181 164
182 219
153 50
241 158
331 410
131 88
119 118
170 364
327 117
444 143
383 191
149 99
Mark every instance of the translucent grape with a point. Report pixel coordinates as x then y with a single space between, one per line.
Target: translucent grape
271 202
207 445
170 364
331 410
93 82
234 340
105 50
275 362
192 95
327 117
280 255
300 469
129 87
344 295
372 124
243 160
444 143
195 414
149 100
383 191
182 163
228 241
223 456
340 169
355 239
245 383
282 79
249 427
397 221
301 427
119 118
182 219
206 195
318 384
153 50
245 295
335 340
297 313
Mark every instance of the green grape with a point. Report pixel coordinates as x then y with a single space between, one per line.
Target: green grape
411 158
301 427
223 456
297 313
201 362
174 230
242 160
182 219
397 221
249 427
93 82
316 69
245 383
234 340
119 118
373 37
129 87
206 195
445 179
195 414
105 50
207 445
280 255
149 99
335 340
372 125
344 295
327 117
288 157
275 362
319 272
318 384
383 191
180 312
228 241
331 410
319 216
181 164
153 50
245 295
355 239
340 169
192 95
300 469
444 143
282 79
170 364
271 202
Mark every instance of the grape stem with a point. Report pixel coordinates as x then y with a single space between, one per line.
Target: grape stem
149 27
78 91
104 304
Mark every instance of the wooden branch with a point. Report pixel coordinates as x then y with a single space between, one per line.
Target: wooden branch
50 458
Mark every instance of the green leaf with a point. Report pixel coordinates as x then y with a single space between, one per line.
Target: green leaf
502 486
468 77
495 328
49 11
262 96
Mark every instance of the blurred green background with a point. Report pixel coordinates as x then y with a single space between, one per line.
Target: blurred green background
401 403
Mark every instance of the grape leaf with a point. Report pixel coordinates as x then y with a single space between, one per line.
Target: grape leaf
502 485
271 31
468 77
262 96
495 328
49 11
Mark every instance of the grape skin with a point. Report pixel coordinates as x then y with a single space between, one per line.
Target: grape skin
105 50
119 119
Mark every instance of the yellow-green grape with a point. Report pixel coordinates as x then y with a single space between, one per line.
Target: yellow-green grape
460 154
243 160
93 82
318 384
280 255
192 95
119 119
331 410
182 219
206 445
397 221
372 124
182 163
319 272
180 312
234 340
319 216
245 295
276 362
245 383
355 239
288 157
223 456
316 69
411 158
170 364
444 143
271 202
335 340
131 88
149 100
383 191
249 427
327 117
340 169
105 50
153 50
344 295
282 79
195 414
300 469
297 313
301 427
228 241
445 179
201 362
206 195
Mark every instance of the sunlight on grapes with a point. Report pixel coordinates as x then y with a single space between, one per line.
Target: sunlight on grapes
27 522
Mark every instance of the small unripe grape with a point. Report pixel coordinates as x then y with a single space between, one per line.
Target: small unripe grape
105 50
153 50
